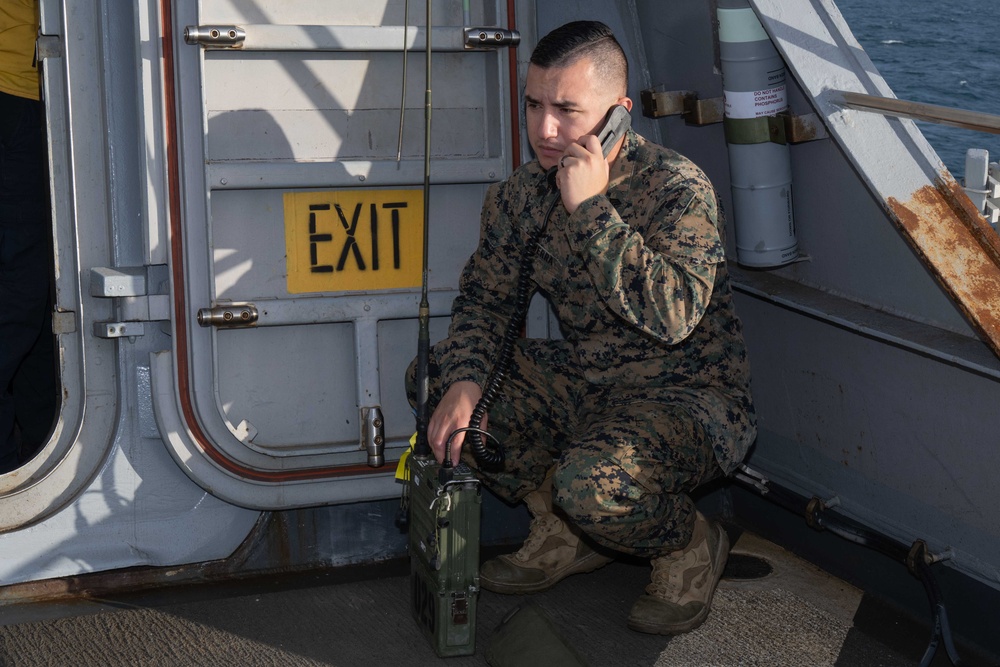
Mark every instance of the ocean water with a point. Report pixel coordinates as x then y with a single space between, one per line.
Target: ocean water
945 53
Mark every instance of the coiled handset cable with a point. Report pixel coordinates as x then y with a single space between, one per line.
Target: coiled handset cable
490 456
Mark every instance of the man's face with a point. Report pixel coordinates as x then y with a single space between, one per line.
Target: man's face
561 105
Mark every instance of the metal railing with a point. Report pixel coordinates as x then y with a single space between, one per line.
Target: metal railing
982 177
933 113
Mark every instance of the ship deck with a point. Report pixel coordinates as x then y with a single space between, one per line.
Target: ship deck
794 615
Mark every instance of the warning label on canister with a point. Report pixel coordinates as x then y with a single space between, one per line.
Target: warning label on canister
755 104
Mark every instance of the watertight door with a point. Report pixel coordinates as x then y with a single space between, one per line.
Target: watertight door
296 221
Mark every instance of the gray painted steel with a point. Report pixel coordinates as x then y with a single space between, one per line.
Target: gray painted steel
872 387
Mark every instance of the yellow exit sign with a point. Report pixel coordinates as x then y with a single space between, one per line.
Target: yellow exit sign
354 240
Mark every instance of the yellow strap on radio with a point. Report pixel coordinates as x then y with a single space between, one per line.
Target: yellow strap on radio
402 472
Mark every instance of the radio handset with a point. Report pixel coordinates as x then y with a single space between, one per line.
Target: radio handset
617 124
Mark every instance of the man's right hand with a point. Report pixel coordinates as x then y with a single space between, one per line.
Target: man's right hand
453 412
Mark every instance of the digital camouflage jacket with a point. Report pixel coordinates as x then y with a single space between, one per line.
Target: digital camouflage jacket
637 279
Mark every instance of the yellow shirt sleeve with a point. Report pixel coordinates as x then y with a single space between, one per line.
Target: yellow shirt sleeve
18 31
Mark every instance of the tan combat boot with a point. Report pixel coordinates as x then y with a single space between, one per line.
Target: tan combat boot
683 583
552 552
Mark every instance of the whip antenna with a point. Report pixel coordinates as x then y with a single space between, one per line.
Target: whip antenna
422 447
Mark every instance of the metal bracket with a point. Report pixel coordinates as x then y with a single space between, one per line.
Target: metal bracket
48 46
748 475
696 111
215 36
119 329
786 128
129 285
63 322
781 128
491 38
117 282
151 308
992 209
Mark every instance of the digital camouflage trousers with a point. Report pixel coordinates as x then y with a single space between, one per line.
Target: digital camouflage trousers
625 460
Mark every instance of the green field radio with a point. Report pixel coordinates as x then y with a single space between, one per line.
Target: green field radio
444 554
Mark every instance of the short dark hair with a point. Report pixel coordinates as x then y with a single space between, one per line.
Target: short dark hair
584 39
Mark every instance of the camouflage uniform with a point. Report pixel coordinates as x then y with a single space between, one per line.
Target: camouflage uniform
648 395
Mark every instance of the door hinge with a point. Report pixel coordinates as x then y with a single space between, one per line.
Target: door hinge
128 287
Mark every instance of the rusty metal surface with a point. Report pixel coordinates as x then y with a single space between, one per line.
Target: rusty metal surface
896 164
659 103
696 111
796 129
959 247
703 112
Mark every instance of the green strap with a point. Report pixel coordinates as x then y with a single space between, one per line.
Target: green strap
754 130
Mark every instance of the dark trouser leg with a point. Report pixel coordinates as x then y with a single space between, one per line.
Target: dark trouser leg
24 251
36 395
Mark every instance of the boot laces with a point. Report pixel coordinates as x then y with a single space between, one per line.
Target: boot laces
669 574
538 530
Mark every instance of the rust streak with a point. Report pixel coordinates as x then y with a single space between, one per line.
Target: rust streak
959 247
